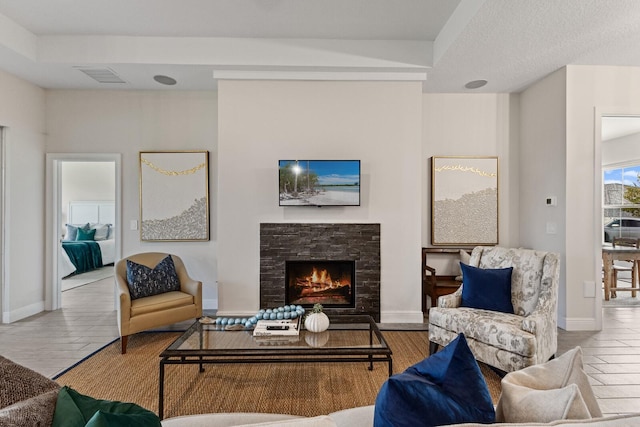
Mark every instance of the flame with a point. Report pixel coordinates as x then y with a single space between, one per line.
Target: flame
322 277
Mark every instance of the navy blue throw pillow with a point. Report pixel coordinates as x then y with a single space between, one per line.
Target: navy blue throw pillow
445 388
144 281
488 289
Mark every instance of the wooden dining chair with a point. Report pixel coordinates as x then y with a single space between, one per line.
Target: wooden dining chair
630 243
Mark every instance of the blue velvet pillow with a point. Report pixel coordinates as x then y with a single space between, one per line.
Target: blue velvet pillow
445 388
86 234
144 281
488 289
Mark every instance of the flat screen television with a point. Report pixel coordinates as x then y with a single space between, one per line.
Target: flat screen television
319 182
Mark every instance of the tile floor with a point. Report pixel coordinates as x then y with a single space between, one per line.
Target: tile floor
52 341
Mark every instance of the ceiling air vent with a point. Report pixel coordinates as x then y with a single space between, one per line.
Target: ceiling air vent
101 75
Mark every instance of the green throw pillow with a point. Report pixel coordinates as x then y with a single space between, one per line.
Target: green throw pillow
77 410
86 235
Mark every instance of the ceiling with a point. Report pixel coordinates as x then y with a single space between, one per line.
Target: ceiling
444 44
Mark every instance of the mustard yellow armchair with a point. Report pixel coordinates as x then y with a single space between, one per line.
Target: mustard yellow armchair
163 308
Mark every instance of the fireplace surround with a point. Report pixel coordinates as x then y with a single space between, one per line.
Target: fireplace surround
282 242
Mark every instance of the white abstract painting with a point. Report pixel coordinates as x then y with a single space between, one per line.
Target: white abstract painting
174 195
464 201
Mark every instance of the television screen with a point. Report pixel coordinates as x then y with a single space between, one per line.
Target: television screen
319 182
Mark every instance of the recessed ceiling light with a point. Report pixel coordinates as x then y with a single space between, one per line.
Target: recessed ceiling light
164 80
475 84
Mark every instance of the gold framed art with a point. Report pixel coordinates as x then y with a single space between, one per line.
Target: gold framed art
464 201
174 195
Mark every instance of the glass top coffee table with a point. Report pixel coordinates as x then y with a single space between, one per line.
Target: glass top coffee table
350 338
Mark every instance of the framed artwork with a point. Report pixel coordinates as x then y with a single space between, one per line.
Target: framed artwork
464 201
174 195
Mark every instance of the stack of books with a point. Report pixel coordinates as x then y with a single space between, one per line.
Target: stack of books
285 327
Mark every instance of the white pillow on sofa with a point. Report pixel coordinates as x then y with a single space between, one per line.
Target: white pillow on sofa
556 390
465 258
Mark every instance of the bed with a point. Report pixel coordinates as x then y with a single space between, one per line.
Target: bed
95 219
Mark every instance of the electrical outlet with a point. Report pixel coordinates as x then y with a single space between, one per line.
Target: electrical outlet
589 289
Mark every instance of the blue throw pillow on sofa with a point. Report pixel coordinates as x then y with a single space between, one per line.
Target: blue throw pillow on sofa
445 388
488 289
144 281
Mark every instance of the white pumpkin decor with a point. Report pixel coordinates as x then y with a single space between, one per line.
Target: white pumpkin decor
316 321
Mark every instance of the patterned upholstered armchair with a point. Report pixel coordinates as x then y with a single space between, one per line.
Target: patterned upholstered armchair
508 342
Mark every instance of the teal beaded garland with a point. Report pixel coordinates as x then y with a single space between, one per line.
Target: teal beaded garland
284 312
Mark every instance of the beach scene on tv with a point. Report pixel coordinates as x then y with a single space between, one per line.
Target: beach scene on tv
319 182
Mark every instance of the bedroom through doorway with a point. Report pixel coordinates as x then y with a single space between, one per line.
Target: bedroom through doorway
87 224
83 222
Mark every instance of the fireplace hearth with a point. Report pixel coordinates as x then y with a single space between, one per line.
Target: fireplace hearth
356 243
329 283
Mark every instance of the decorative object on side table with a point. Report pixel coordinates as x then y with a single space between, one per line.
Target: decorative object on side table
316 321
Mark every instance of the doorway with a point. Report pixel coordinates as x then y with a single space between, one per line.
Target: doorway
77 195
620 209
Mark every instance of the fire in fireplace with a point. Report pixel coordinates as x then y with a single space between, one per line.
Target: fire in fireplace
330 283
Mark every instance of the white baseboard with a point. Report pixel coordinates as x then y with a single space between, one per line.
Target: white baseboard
401 317
578 324
23 312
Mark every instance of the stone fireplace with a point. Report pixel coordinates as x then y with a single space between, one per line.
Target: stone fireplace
299 244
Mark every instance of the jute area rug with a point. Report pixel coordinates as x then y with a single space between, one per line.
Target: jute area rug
307 389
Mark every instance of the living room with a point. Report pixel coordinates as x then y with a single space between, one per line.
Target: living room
549 122
541 119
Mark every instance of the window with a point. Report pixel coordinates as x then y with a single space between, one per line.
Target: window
621 206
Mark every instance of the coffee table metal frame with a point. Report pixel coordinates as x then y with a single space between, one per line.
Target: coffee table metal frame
380 352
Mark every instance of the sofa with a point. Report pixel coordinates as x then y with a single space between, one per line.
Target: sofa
506 340
355 417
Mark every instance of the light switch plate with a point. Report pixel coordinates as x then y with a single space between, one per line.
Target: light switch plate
133 224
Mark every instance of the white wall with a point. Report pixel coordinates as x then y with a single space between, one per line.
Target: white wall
22 112
376 122
543 171
472 125
128 122
86 181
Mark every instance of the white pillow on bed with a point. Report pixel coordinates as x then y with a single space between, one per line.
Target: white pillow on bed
102 231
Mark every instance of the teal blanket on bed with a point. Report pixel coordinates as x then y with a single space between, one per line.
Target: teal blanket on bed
84 254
